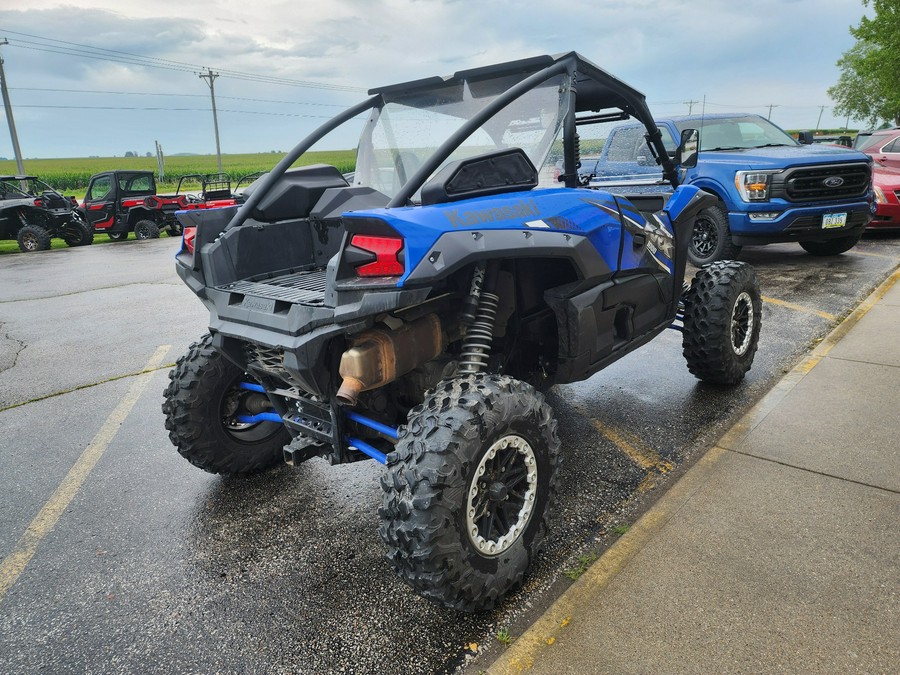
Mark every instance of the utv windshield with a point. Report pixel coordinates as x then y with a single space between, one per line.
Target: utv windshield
403 133
737 133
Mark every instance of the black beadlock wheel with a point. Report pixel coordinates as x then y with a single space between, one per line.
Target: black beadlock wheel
78 233
470 489
830 247
33 238
722 320
201 406
146 229
711 237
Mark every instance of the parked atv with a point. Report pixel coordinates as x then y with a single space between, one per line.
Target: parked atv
33 213
415 315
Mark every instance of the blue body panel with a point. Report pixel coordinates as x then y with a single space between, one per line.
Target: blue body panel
593 214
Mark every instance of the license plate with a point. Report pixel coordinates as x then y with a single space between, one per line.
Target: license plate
830 220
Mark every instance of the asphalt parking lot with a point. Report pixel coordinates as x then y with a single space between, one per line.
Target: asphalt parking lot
118 556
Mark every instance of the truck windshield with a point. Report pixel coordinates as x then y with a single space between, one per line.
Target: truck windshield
412 125
736 133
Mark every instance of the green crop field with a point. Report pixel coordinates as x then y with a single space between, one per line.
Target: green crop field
72 175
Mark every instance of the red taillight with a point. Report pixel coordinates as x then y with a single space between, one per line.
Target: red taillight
39 203
387 260
187 239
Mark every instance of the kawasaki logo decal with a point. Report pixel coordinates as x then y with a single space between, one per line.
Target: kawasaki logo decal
522 209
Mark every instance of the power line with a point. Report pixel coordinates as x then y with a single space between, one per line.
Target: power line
170 109
130 58
164 93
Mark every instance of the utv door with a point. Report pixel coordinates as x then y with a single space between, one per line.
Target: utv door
100 202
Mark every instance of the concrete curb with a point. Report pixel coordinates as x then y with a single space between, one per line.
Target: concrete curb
580 597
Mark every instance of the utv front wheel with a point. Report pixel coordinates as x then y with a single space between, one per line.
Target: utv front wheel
470 490
78 233
722 318
202 405
830 247
711 238
33 238
146 229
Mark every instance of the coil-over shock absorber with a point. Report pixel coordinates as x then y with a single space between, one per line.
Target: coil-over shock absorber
479 316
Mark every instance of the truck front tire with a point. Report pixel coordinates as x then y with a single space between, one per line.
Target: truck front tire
711 237
470 489
829 247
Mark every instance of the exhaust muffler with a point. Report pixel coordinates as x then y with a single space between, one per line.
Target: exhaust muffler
379 356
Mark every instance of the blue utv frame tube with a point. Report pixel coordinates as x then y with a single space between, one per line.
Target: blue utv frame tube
367 449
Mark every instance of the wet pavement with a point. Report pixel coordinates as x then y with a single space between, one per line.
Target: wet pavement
155 566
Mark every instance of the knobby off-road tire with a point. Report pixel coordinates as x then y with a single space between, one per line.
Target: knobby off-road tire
33 238
722 319
117 236
78 233
146 229
711 237
470 489
830 247
200 404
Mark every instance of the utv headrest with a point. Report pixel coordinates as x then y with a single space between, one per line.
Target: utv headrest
296 192
492 173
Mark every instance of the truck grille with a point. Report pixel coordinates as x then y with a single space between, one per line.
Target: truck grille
824 182
303 288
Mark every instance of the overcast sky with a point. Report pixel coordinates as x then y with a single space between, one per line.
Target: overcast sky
740 56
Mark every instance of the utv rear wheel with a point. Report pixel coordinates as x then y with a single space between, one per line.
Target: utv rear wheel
117 236
830 247
146 229
722 318
78 233
33 238
470 489
711 238
202 404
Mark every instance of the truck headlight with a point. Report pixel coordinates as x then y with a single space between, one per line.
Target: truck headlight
879 196
753 186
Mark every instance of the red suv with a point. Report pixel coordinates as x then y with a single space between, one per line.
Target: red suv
884 146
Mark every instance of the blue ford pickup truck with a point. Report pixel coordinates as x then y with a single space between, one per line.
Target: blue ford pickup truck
770 187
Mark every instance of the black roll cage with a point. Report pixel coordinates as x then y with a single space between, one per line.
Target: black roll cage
599 91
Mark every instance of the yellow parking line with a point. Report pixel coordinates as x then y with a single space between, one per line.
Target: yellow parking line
799 308
14 564
875 255
640 453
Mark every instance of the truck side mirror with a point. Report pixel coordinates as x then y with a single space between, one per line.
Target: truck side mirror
688 150
805 137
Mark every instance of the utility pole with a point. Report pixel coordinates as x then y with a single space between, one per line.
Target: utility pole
818 121
20 167
771 105
690 105
211 77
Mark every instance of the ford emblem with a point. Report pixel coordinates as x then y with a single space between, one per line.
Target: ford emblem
833 181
